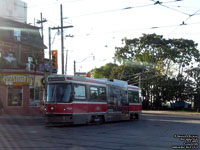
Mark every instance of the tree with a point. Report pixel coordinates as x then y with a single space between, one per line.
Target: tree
158 55
128 72
159 52
104 71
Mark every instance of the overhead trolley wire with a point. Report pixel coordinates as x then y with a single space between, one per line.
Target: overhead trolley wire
121 9
161 4
192 15
184 22
108 11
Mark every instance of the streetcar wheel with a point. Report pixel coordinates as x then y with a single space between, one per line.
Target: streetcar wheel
131 117
101 119
137 116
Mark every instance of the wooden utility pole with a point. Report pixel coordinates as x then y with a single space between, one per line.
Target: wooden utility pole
49 46
41 21
62 38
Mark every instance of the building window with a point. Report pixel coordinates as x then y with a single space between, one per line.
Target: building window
34 99
17 34
30 59
15 96
79 92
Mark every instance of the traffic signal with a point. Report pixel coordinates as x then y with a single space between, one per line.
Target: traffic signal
88 74
54 59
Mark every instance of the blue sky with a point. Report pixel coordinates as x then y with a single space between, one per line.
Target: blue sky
99 25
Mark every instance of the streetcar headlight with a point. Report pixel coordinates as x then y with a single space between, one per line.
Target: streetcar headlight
64 109
52 108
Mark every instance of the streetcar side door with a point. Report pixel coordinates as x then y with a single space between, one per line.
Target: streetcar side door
114 103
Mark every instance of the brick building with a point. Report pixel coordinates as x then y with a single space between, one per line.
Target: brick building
21 57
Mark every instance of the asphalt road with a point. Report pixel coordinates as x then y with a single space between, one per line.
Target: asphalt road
155 131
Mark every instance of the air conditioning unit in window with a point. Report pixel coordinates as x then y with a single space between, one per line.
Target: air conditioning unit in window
30 67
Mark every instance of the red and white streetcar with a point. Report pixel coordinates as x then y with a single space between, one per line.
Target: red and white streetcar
82 100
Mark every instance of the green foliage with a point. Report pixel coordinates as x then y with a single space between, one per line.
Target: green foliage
158 54
104 71
152 57
161 53
128 72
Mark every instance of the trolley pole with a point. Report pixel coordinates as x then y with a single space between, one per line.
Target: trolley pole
140 80
74 67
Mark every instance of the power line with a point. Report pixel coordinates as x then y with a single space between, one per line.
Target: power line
183 7
120 9
137 29
192 15
147 5
184 22
114 10
148 28
161 4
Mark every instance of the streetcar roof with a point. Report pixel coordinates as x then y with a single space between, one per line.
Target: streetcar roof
68 78
132 87
65 78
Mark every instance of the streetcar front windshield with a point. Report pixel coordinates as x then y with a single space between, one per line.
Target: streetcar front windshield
133 97
59 93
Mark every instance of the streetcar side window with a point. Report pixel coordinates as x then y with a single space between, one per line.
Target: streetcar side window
79 92
94 93
97 93
102 93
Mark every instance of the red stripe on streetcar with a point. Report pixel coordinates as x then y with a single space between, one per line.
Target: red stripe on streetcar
76 108
135 107
69 78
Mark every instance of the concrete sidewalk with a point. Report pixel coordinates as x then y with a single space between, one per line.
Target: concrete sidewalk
170 112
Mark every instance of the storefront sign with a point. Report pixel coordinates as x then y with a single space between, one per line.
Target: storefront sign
20 79
17 80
